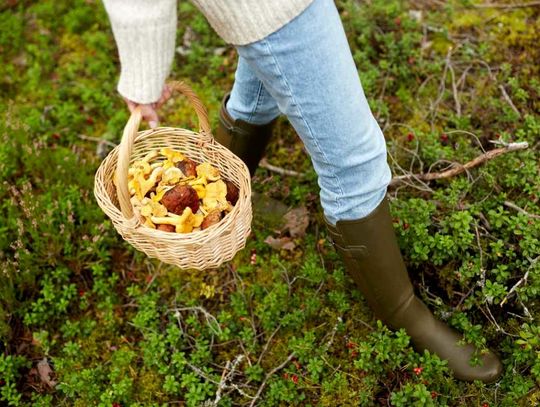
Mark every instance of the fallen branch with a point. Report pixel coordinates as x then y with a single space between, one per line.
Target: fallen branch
508 100
274 370
459 168
512 205
227 375
508 6
521 281
282 171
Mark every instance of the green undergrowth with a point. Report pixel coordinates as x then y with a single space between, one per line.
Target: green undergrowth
87 320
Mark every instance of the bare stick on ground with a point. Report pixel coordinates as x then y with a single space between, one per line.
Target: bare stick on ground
459 168
282 171
521 281
509 6
513 206
274 370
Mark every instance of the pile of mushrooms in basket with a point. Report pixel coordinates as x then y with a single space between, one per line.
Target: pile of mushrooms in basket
172 193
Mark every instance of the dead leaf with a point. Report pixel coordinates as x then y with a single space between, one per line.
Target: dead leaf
297 221
281 243
44 370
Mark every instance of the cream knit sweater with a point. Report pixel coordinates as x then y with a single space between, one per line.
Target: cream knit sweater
145 33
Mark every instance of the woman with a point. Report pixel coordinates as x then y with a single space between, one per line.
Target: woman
294 59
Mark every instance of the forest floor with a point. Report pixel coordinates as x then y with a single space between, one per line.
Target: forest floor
87 320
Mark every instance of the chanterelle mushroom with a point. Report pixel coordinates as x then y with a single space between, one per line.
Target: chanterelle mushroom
183 223
142 185
151 208
216 196
208 171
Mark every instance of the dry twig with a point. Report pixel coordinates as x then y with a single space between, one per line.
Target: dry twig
512 205
522 280
263 384
508 100
508 6
282 171
227 375
459 168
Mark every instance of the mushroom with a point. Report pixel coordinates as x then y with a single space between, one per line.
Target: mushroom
142 185
216 196
171 176
201 190
208 171
166 228
148 223
172 155
232 192
183 223
151 208
211 219
188 167
180 197
143 164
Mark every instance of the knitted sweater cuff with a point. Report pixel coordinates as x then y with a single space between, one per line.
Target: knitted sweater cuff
145 36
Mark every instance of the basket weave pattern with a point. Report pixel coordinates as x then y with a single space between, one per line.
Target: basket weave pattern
200 249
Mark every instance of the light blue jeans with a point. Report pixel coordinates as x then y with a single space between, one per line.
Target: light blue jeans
306 71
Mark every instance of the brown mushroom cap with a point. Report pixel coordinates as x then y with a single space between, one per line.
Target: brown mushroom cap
188 167
211 219
232 192
166 228
180 197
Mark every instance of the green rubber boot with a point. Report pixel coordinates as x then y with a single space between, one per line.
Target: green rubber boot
247 141
372 258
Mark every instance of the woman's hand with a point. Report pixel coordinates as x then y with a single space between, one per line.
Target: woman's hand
149 110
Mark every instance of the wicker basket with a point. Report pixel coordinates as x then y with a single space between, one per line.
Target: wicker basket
200 249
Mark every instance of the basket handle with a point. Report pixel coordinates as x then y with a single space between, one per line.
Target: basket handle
130 133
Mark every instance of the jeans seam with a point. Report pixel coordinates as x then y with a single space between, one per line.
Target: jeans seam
257 104
310 132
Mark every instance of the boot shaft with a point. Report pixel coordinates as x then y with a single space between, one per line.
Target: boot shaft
248 141
372 258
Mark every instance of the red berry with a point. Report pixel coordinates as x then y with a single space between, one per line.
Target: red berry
410 137
434 394
294 378
418 370
444 138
